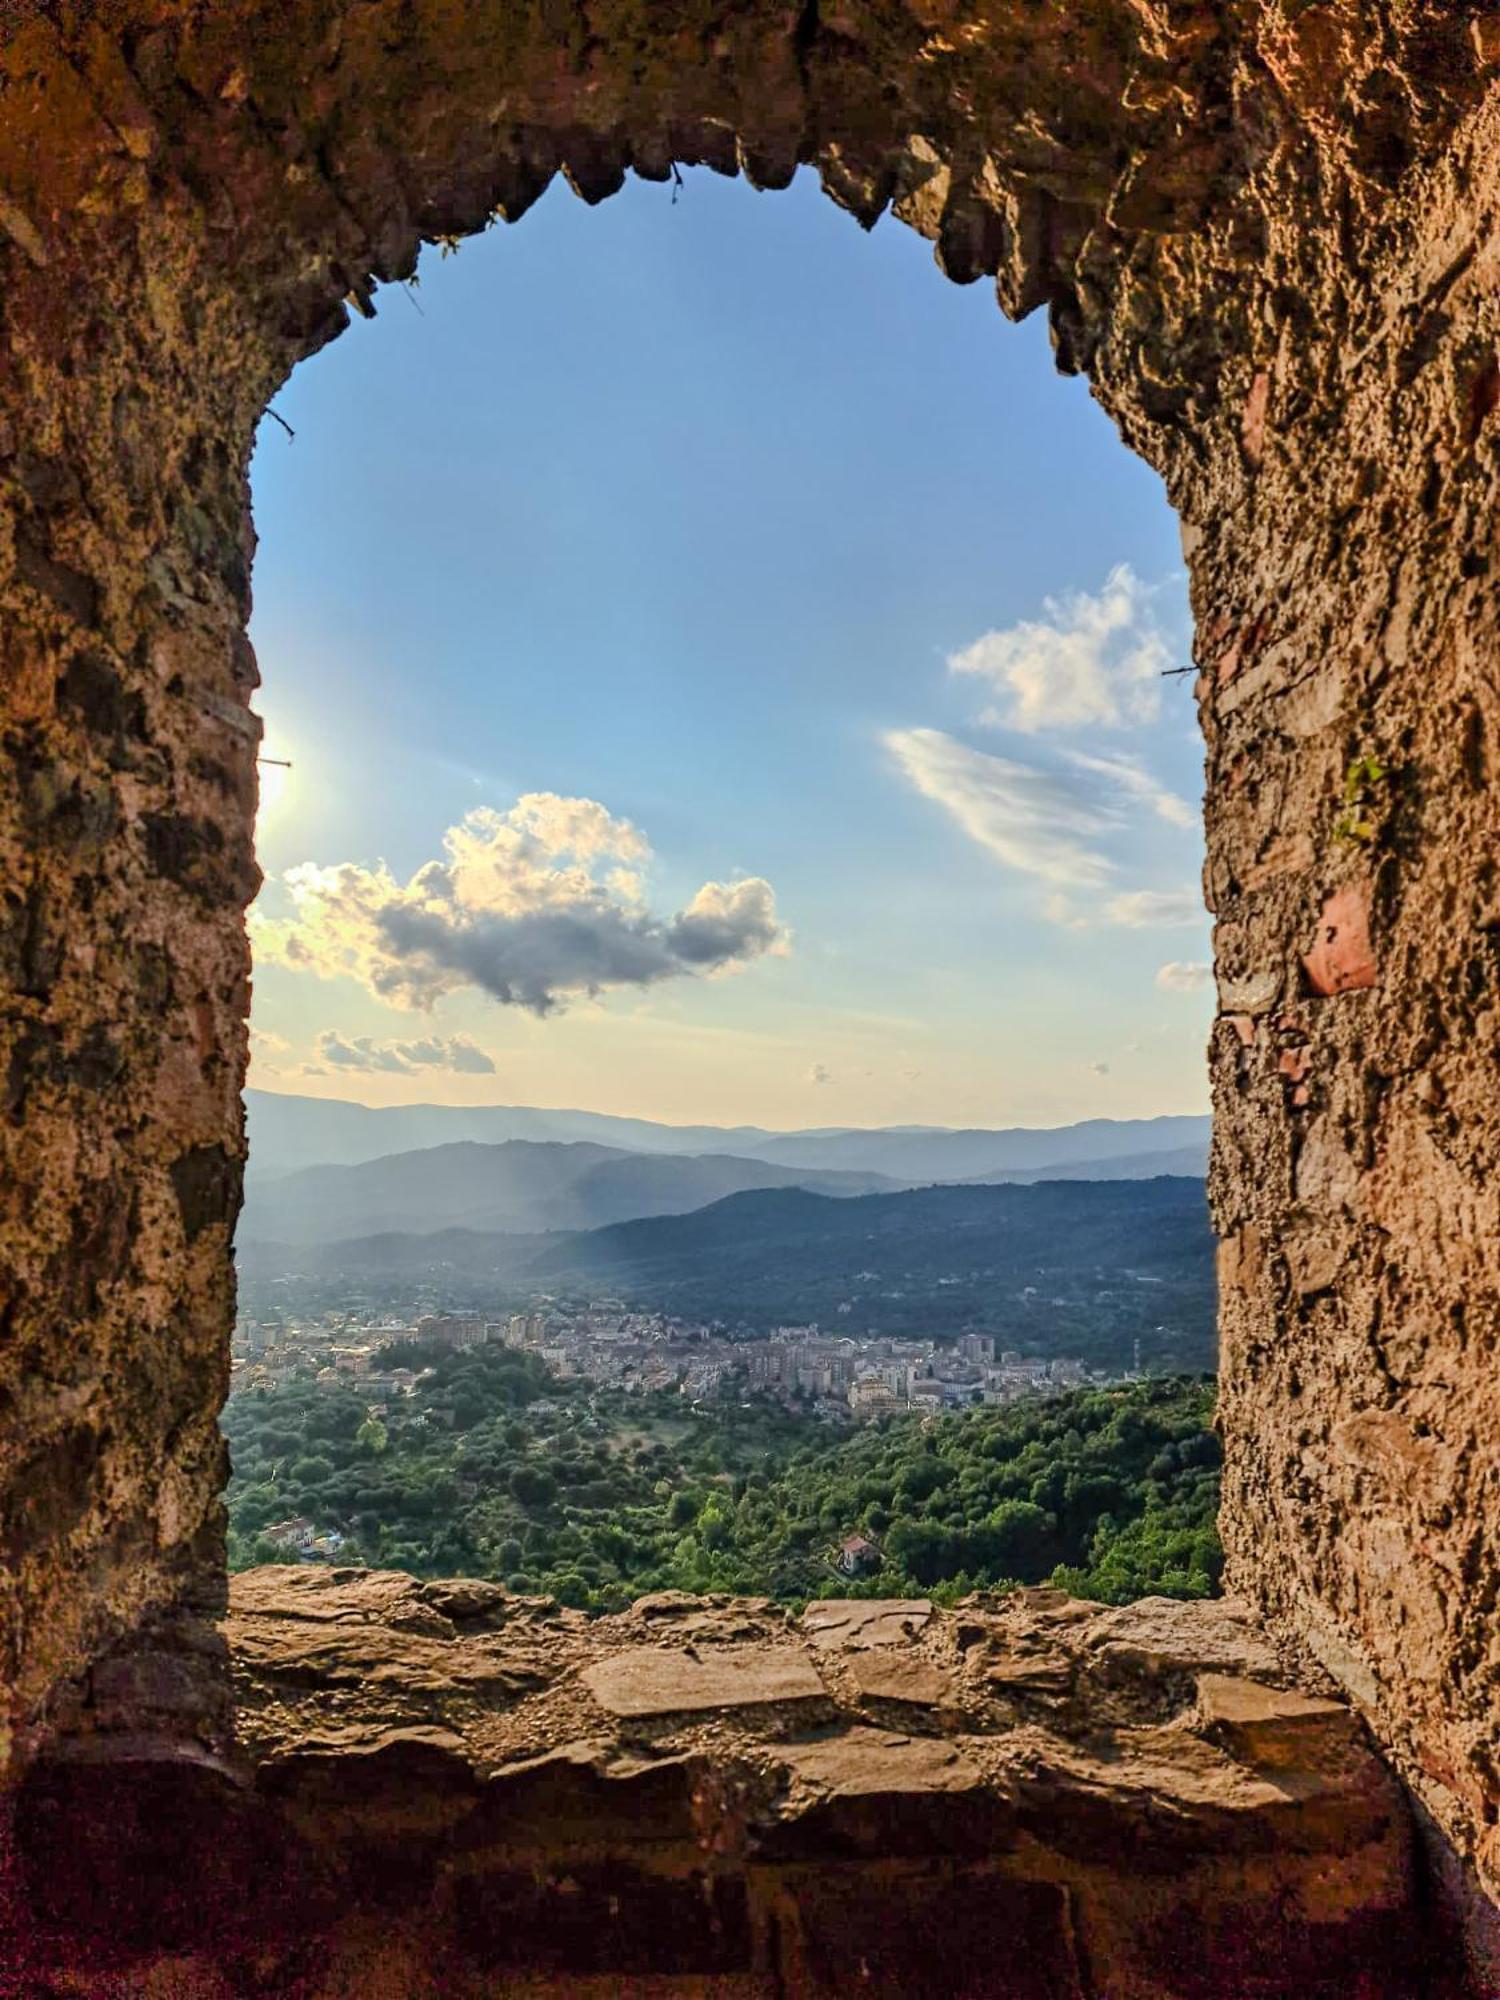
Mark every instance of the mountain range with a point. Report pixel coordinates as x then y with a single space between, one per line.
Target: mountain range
289 1132
519 1186
1190 1162
740 1222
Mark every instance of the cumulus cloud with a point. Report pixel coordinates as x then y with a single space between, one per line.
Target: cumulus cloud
1039 822
454 1052
1179 977
362 1052
820 1073
1090 659
533 906
1155 909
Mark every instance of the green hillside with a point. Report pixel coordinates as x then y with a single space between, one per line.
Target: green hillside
494 1468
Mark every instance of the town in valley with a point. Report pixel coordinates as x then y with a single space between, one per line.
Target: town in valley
840 1377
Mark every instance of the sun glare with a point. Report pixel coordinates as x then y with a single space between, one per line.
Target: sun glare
276 787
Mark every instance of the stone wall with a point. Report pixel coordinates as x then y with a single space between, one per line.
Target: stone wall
441 1789
1344 577
1266 231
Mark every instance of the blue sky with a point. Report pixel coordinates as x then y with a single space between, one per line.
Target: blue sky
841 610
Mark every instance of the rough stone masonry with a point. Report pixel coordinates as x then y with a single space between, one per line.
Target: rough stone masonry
443 1790
1265 229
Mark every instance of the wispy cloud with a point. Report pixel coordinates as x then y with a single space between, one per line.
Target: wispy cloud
1092 658
1132 778
363 1053
1042 823
1179 977
268 1052
1067 816
1048 823
532 906
1132 909
1155 909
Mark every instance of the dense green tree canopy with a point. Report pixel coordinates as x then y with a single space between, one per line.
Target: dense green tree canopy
495 1468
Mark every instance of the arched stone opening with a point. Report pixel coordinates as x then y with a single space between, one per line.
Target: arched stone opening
1266 236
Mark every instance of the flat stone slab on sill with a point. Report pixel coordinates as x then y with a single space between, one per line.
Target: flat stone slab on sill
851 1624
867 1763
667 1680
1269 1726
885 1675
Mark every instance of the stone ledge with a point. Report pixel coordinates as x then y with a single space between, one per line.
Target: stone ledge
439 1788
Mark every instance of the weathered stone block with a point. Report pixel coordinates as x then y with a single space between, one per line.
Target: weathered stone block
861 1622
661 1680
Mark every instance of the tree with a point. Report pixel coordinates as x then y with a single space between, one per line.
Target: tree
921 1548
715 1522
532 1486
372 1436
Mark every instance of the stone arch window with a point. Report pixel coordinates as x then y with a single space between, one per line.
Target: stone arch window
1266 237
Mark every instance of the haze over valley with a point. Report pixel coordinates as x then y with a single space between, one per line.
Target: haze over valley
1105 1257
321 1169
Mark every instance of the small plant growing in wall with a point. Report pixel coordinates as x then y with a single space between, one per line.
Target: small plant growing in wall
1355 825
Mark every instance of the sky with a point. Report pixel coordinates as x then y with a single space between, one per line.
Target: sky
723 670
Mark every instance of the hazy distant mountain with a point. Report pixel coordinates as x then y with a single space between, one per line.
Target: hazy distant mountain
958 1156
519 1186
289 1132
1189 1162
1066 1267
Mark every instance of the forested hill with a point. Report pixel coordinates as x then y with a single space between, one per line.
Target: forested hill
1055 1224
1082 1268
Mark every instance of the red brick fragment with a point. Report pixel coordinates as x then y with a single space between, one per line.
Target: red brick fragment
1342 960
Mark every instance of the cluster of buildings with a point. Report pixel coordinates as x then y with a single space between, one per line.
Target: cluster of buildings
602 1342
336 1348
298 1539
841 1374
